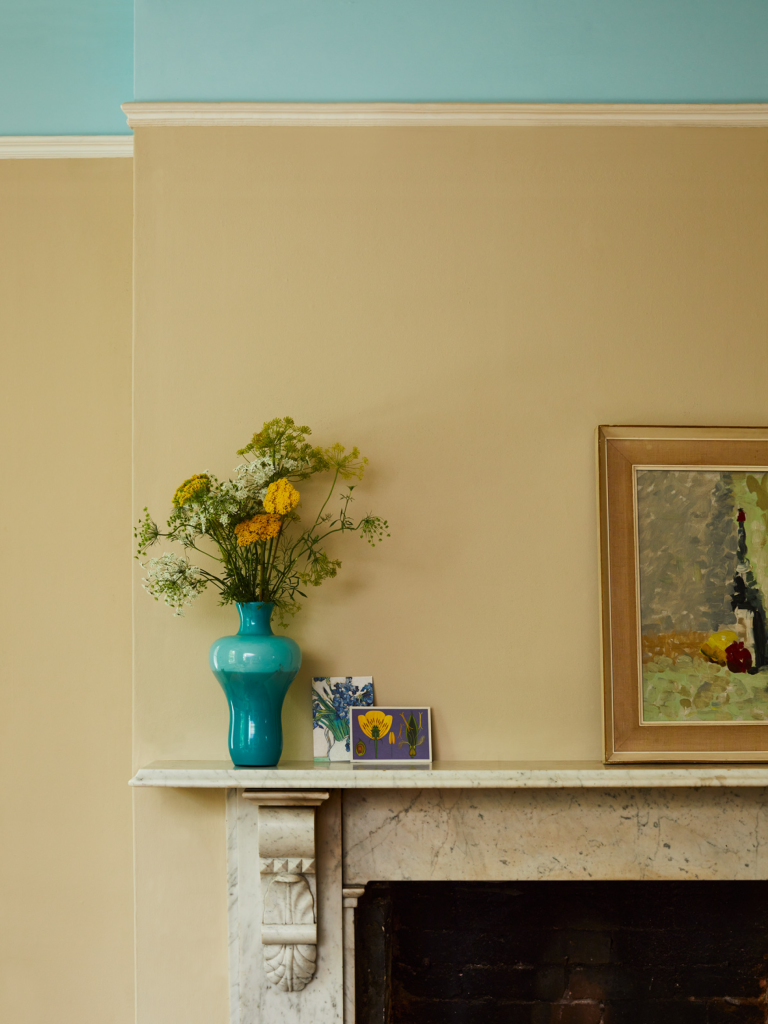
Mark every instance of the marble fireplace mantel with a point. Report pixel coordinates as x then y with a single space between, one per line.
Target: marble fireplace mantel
447 775
304 839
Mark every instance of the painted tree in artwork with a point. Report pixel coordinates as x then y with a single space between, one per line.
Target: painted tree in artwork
687 551
751 493
747 597
720 546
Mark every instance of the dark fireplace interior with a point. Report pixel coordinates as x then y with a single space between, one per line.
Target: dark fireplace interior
565 952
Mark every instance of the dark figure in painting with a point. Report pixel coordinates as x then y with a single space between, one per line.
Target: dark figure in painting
747 602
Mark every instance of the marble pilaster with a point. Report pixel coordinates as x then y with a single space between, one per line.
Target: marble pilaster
253 999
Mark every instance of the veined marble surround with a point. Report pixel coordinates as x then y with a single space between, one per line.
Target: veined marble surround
518 835
477 821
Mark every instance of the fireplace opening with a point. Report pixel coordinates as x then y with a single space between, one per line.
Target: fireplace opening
562 953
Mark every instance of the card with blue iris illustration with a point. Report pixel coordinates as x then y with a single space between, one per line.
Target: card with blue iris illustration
332 697
390 735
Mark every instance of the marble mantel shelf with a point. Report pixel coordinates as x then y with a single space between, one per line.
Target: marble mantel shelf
447 775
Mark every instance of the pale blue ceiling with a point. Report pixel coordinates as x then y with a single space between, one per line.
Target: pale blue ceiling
67 65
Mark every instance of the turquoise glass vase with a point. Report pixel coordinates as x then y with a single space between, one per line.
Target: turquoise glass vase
255 669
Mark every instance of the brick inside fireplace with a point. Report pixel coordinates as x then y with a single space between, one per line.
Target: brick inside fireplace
609 952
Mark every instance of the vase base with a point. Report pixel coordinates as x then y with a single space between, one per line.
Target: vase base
259 764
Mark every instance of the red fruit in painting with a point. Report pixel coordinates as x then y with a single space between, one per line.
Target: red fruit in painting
738 658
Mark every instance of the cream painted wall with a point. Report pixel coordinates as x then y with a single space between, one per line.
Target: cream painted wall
66 941
466 305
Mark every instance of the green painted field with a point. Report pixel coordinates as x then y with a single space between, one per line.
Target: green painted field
694 690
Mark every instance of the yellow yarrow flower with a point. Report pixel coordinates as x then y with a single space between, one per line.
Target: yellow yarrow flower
258 528
281 497
198 484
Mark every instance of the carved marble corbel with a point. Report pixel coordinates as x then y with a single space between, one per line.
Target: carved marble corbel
288 885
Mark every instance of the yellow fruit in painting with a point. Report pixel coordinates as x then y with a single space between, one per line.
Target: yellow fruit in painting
723 639
713 654
715 646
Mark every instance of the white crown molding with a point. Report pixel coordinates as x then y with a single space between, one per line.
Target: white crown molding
63 147
452 115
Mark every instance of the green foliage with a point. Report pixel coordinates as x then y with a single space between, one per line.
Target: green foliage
760 489
319 568
146 533
281 441
206 511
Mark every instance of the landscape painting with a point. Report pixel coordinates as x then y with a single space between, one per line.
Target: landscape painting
703 579
387 735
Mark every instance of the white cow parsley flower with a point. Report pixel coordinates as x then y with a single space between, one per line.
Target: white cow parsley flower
173 579
252 478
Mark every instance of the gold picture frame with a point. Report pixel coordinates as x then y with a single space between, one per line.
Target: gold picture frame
705 702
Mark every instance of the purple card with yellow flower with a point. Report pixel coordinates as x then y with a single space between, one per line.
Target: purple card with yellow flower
387 735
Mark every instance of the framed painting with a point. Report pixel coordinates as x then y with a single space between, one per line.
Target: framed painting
390 735
684 574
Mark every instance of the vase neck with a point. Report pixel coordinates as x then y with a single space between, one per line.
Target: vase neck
255 618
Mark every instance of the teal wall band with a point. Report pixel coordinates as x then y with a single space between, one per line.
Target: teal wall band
452 50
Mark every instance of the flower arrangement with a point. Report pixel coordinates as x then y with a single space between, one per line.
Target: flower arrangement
251 521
